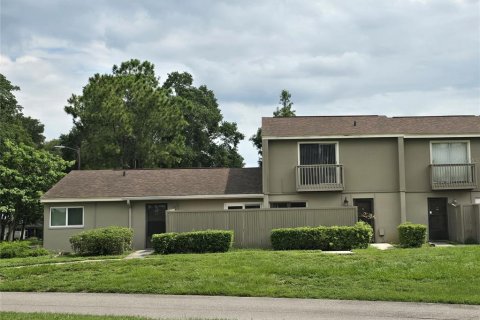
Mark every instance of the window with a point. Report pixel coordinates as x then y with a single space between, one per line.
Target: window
454 152
450 162
318 163
318 153
240 206
66 217
294 204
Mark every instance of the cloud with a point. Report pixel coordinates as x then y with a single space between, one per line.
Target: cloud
345 57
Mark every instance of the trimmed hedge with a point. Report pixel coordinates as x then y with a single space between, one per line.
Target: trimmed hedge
323 238
412 235
193 242
20 249
102 241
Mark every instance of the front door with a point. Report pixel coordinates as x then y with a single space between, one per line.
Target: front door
365 212
156 222
437 219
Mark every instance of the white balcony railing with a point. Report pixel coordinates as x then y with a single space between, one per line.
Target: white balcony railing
453 176
319 177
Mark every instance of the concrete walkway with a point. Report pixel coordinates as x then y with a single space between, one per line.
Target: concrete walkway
208 307
139 254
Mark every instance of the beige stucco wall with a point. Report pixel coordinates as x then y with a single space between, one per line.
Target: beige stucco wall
377 158
102 214
417 162
417 203
95 215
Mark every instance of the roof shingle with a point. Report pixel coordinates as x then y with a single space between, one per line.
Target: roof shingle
368 125
157 182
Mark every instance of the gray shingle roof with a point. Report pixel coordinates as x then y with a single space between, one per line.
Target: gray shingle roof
157 182
368 125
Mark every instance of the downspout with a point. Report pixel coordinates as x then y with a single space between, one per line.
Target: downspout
129 214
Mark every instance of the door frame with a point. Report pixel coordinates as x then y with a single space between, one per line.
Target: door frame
372 202
446 218
146 218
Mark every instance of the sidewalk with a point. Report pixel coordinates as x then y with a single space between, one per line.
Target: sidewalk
210 307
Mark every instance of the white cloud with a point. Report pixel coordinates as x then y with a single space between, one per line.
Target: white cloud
344 57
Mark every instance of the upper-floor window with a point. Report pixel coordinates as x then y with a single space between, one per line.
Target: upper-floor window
450 162
450 152
318 153
318 164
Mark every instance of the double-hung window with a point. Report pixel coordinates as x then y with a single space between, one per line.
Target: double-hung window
450 161
319 163
67 217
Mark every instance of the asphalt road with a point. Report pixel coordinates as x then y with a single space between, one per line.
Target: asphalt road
208 307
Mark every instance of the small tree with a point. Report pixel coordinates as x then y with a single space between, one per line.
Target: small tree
25 174
284 111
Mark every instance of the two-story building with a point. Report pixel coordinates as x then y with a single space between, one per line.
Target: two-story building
398 169
392 169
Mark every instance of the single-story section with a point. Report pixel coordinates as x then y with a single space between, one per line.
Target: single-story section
138 199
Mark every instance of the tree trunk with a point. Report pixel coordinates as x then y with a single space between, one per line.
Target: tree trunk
22 234
2 231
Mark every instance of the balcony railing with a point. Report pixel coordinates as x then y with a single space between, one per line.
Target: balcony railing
453 176
319 177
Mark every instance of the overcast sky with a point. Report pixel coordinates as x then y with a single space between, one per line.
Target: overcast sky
335 57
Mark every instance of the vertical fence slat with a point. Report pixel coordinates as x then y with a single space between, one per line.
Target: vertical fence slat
252 227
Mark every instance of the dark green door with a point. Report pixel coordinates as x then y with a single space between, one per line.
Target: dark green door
437 219
156 220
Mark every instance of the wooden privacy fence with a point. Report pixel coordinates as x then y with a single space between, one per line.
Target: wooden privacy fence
464 223
252 227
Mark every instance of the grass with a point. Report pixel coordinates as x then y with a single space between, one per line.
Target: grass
65 316
448 275
15 262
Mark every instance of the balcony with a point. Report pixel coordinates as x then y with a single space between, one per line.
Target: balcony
453 176
319 177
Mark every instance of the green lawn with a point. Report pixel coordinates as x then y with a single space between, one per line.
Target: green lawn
13 262
63 316
449 275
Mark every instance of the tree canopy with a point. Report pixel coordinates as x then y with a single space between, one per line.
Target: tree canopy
14 125
25 174
26 170
284 111
127 119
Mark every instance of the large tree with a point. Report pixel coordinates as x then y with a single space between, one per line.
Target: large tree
209 141
127 119
25 174
284 111
14 125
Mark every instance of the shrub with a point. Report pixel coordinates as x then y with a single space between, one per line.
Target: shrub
412 235
196 242
20 249
323 238
102 241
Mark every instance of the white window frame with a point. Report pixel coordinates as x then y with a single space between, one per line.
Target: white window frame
337 153
469 158
66 218
240 204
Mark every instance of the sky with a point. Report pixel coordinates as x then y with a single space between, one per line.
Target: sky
387 57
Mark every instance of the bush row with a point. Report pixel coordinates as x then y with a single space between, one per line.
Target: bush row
197 242
412 235
102 241
323 238
20 249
